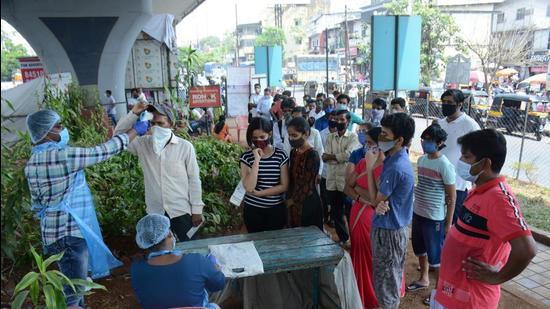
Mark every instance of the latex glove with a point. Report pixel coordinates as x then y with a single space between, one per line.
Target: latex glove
141 127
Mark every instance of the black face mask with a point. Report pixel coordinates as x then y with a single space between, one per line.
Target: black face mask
296 143
448 109
332 124
341 126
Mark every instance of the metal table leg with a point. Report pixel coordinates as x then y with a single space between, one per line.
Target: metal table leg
316 287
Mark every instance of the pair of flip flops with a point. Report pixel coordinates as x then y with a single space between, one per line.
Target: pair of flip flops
415 286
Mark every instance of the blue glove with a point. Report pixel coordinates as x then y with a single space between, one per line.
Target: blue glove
141 127
212 259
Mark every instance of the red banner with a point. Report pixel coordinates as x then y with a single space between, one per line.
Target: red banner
205 96
31 68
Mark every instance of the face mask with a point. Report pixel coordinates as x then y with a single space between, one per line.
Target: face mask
463 170
63 138
296 143
429 147
394 111
342 106
332 124
329 110
362 136
262 144
448 109
386 146
288 117
160 138
377 115
341 126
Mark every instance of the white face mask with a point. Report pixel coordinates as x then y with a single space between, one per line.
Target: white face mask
161 136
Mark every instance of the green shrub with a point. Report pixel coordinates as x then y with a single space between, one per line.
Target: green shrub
46 286
116 184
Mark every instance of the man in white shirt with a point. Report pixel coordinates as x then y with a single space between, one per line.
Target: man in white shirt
280 132
315 111
111 106
456 124
353 94
331 128
255 100
264 105
133 100
170 169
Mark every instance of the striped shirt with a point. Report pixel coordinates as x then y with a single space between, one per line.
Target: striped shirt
51 175
429 193
269 175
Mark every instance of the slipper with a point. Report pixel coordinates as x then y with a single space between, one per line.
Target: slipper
426 301
415 286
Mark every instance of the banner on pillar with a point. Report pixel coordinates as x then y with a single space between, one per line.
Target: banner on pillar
31 68
205 96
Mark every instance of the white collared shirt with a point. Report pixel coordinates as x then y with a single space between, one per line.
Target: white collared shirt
172 180
341 147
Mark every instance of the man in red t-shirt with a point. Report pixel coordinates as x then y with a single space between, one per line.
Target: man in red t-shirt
491 242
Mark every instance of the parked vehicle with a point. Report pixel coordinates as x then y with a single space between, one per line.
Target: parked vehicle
311 88
477 105
516 112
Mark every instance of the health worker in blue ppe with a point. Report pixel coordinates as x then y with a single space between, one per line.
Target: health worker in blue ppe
62 201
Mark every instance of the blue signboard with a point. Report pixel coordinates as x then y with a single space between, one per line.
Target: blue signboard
269 60
395 52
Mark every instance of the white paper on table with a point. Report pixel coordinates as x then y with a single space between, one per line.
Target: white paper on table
238 195
194 229
238 255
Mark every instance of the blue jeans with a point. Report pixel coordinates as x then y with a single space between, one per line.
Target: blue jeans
74 265
460 197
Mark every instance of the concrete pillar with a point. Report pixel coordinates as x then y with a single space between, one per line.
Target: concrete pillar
90 39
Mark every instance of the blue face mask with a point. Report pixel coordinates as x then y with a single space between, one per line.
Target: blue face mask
63 138
463 170
429 147
386 146
362 136
329 110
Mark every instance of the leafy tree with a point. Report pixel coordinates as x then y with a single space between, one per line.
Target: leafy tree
438 31
209 43
271 36
10 53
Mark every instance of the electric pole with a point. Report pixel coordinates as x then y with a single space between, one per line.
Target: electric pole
236 37
346 44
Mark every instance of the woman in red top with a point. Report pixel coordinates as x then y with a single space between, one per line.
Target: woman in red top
361 216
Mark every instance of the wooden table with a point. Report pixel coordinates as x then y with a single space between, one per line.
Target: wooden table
282 250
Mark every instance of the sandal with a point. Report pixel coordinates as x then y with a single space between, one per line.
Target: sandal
426 301
415 286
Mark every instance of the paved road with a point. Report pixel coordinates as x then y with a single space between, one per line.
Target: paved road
535 153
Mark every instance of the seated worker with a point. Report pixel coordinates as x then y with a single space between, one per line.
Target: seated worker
221 130
168 278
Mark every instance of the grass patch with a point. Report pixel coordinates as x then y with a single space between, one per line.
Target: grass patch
534 199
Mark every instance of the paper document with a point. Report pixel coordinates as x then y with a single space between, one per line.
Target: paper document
238 260
194 230
238 194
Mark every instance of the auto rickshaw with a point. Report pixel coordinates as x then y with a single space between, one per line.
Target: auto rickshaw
477 105
509 111
310 88
417 100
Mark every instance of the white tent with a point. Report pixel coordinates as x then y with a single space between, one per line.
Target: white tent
17 103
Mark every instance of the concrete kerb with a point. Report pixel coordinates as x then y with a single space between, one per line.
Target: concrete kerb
541 236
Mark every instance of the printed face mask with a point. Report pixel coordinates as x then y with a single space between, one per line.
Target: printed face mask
262 144
296 143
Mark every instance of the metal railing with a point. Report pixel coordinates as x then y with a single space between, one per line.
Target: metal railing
525 126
